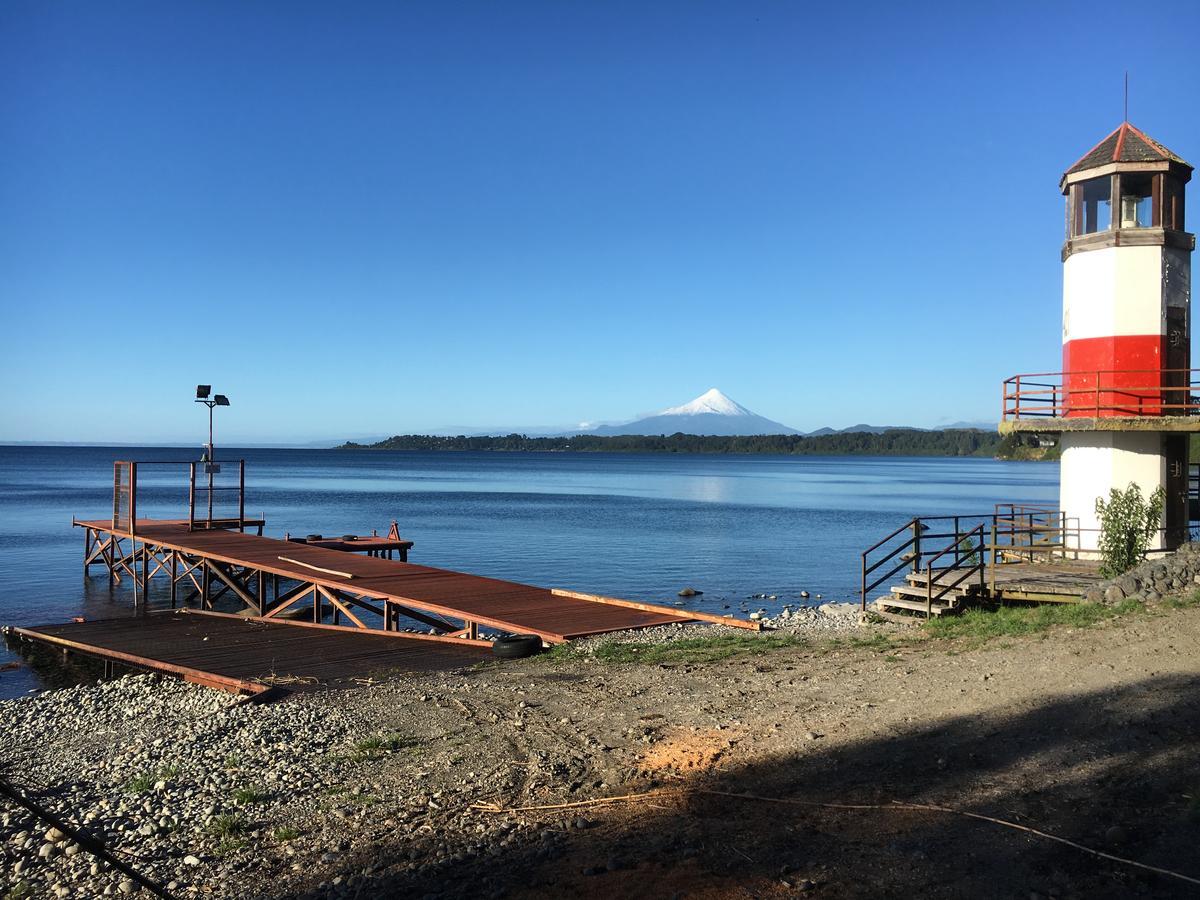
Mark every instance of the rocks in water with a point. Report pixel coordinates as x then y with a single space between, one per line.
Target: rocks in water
690 592
804 595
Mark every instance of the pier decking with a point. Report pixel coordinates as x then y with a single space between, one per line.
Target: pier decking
261 570
250 655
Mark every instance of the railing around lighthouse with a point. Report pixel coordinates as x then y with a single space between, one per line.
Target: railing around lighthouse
1103 393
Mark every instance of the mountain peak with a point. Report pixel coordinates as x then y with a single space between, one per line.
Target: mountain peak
712 402
710 413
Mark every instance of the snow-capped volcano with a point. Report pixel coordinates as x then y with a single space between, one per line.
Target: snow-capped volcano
711 401
710 413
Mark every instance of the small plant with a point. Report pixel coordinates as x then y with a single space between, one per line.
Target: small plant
968 552
1126 523
246 795
168 772
140 784
285 833
232 761
227 826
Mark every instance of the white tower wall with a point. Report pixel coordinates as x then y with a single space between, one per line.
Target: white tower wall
1096 461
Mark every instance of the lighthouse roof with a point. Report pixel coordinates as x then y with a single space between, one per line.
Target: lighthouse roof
1125 144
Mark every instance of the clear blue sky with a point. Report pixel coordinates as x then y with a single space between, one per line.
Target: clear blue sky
375 218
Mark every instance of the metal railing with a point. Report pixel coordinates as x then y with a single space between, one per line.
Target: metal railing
221 505
1102 393
1011 533
964 550
217 507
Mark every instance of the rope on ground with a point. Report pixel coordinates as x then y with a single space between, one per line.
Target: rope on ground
682 793
87 842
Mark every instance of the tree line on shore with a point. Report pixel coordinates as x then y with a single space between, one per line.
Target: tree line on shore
893 442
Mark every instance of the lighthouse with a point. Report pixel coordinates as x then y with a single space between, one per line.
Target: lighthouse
1122 404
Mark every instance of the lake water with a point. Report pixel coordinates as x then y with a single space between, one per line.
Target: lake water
639 526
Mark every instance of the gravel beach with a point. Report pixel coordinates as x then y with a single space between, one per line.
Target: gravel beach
373 792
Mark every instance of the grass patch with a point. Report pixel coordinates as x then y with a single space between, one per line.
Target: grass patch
694 650
246 795
381 744
977 626
1189 602
19 891
168 772
875 641
232 762
228 827
139 784
285 833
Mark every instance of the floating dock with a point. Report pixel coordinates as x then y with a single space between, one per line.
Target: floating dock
250 655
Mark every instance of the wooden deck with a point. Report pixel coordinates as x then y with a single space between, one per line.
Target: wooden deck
1063 580
430 595
248 656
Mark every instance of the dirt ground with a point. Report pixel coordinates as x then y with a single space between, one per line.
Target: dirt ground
1092 735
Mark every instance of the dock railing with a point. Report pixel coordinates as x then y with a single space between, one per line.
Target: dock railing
975 544
216 497
222 501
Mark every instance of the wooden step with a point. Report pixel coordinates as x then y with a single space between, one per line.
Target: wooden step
904 591
893 602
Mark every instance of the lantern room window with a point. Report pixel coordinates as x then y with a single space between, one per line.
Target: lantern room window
1172 203
1137 205
1092 206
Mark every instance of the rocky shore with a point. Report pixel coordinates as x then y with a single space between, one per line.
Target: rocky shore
376 792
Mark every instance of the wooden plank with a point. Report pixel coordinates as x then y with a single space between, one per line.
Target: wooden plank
650 607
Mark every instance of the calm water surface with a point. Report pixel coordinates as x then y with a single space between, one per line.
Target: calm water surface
635 526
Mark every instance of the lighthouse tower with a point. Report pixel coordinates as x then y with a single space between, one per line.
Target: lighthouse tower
1122 404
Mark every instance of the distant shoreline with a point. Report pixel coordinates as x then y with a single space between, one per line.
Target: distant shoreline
966 442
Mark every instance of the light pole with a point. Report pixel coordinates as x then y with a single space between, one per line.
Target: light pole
210 464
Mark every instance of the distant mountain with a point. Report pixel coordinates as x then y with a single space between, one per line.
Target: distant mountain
712 413
862 429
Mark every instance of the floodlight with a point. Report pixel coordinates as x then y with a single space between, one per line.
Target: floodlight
221 400
202 391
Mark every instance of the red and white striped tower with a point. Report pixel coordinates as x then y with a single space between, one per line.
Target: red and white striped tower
1122 403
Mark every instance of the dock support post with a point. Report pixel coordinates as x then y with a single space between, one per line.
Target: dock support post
262 593
174 578
204 586
134 566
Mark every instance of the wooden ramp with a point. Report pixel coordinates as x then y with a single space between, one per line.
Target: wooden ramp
249 566
249 656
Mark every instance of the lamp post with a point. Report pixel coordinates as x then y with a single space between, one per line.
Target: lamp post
203 392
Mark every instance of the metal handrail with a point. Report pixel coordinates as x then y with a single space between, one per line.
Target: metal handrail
1023 398
956 547
1015 529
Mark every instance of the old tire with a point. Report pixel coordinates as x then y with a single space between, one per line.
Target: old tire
516 646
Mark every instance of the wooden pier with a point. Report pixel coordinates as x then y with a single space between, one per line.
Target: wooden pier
273 577
287 590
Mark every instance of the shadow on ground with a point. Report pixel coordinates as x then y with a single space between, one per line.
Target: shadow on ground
1116 770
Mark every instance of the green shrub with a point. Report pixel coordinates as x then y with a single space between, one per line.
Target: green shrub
1126 523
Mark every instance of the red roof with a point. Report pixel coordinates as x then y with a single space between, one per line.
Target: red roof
1125 144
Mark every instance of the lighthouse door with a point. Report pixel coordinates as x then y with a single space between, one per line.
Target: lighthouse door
1176 362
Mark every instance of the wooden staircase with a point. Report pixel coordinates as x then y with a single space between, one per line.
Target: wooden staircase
914 595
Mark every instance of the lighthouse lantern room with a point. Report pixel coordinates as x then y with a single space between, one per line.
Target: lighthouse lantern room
1123 402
